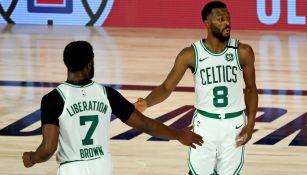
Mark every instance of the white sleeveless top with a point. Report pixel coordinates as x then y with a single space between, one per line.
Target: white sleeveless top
218 79
84 123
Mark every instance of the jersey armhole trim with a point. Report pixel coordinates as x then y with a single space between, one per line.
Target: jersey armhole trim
195 58
61 94
237 55
104 90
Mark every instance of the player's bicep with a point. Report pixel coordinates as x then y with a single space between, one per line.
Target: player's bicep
184 60
120 106
249 76
247 59
52 106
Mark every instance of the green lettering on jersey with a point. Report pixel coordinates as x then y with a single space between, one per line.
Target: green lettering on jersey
202 75
228 68
80 107
70 114
92 152
85 153
218 74
99 104
224 76
213 76
87 106
100 150
84 105
90 106
208 75
76 108
82 153
234 70
94 105
105 108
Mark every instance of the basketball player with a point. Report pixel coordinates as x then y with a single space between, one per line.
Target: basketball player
76 119
224 116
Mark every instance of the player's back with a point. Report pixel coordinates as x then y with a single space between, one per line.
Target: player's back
84 126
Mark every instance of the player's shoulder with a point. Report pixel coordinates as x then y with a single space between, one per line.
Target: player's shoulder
108 88
186 56
110 92
186 53
51 96
244 47
246 53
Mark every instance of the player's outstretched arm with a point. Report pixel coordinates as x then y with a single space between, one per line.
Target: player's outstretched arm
46 149
153 127
184 60
247 59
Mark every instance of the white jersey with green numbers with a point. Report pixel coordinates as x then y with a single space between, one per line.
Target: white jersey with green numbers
218 79
84 123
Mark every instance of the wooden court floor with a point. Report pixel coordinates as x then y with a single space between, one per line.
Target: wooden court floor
134 60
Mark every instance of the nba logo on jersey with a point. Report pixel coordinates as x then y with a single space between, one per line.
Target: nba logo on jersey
50 6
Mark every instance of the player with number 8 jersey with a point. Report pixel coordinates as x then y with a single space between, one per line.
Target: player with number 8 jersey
224 115
218 79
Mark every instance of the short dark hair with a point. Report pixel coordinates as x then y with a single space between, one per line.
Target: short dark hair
209 6
77 54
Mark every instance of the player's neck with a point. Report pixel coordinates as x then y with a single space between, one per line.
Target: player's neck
77 76
214 44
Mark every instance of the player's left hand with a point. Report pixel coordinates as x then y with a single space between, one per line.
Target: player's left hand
26 157
189 138
245 135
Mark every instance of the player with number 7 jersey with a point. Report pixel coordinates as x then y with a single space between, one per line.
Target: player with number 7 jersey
76 119
87 115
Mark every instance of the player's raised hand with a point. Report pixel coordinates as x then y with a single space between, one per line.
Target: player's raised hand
189 138
140 104
26 157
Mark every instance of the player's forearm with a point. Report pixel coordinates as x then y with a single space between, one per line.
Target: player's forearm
162 131
158 95
158 129
42 154
251 100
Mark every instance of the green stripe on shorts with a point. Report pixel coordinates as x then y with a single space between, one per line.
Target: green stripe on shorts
238 170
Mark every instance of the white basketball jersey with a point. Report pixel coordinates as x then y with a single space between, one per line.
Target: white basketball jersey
218 79
84 123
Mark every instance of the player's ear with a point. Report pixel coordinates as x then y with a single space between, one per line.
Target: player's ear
89 65
206 22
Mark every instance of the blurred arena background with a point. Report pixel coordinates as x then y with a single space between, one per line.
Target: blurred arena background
135 44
